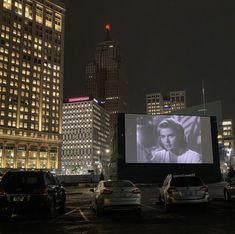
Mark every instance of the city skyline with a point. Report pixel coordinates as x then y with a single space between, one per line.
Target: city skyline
164 46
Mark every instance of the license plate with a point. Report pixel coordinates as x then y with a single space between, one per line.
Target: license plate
188 193
18 198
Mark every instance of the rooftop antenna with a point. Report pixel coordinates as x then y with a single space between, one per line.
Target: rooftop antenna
107 28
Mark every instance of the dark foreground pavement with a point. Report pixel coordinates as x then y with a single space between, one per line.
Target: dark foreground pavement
218 218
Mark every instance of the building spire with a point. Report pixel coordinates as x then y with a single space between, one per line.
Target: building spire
107 28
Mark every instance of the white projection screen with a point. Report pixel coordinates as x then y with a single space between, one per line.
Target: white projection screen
168 139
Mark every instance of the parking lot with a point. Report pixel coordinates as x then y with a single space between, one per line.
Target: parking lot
79 218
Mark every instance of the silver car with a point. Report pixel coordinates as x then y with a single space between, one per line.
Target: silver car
115 195
183 189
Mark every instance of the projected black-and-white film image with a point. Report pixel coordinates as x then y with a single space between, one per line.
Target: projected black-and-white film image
168 139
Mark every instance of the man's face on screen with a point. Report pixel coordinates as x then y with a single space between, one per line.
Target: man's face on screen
168 139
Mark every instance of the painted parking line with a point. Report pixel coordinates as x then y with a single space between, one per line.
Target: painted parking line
85 219
83 215
72 211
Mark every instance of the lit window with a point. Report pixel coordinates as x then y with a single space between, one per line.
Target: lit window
39 14
7 4
18 7
48 18
28 11
58 22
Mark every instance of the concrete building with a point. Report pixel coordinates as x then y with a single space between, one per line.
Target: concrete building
157 104
31 76
86 144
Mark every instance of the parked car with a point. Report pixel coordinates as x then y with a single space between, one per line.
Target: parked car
229 189
30 191
183 189
115 195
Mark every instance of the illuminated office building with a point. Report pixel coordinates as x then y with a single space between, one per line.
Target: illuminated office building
157 104
227 132
86 137
31 76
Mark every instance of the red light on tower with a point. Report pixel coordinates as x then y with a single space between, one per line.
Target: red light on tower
107 27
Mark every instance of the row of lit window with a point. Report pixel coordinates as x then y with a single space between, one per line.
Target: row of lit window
226 123
81 113
75 147
6 28
25 117
72 163
227 128
29 134
71 126
71 121
3 65
69 144
6 36
4 51
72 139
3 58
18 7
76 105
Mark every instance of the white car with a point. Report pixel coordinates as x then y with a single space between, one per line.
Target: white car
183 189
115 195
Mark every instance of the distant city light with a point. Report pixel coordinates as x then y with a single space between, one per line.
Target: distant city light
78 99
96 100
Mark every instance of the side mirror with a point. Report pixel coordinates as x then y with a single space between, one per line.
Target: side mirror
92 190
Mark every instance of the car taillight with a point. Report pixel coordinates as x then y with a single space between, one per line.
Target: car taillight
204 188
106 191
170 190
136 191
2 192
40 190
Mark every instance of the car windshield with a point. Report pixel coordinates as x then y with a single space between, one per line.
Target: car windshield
186 182
118 184
21 178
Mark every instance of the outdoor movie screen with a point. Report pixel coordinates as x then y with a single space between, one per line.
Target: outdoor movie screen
168 139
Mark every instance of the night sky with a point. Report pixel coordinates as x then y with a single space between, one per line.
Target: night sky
165 45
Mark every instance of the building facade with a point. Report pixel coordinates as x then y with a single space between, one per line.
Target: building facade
103 77
31 76
86 137
157 104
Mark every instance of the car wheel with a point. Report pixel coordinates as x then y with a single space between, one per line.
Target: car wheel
63 204
51 210
160 199
62 208
139 212
167 207
99 210
227 196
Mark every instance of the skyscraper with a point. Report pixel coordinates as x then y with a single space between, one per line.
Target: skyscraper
157 104
31 76
103 76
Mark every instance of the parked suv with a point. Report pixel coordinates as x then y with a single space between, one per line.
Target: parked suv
30 191
183 189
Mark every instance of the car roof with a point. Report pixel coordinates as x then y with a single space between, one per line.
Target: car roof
117 181
184 175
